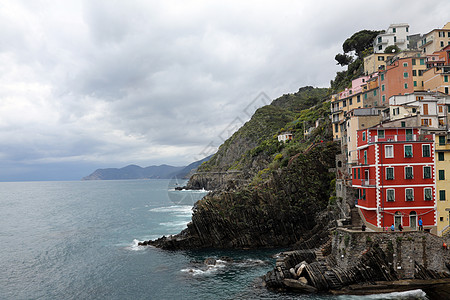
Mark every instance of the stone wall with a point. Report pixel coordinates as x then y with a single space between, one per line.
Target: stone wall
404 250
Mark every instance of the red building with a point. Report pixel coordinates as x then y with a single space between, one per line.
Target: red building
395 178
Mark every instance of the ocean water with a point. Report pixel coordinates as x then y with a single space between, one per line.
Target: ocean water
78 240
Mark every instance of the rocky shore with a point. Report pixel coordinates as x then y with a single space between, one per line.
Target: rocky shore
356 262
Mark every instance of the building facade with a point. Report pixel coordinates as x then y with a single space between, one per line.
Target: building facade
395 178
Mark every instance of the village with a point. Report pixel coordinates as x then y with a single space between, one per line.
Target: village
393 128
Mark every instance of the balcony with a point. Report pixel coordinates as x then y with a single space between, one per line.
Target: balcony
401 138
399 41
364 182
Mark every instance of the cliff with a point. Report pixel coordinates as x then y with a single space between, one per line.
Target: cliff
277 212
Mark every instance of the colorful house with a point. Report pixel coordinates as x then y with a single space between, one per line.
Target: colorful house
395 178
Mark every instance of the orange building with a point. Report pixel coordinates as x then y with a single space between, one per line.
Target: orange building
403 75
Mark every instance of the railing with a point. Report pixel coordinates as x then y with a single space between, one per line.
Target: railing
400 138
400 41
364 182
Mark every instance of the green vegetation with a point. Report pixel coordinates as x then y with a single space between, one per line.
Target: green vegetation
360 44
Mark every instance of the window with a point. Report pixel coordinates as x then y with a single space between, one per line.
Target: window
414 72
359 173
375 92
379 39
358 98
405 64
426 151
363 194
422 61
390 195
344 103
364 136
426 172
389 173
383 98
427 194
381 58
382 88
409 194
441 109
365 157
405 74
442 195
365 96
403 124
394 30
380 47
389 151
415 83
441 174
409 173
380 134
413 62
406 86
350 102
442 44
382 77
440 156
408 151
445 78
441 219
446 90
441 140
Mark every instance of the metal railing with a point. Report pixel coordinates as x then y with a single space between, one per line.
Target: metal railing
400 138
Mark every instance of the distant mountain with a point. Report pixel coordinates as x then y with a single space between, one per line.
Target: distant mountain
191 168
152 172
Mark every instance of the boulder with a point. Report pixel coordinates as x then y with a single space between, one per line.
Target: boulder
299 286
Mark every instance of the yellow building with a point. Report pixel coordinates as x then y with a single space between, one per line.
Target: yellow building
442 163
437 79
435 39
375 62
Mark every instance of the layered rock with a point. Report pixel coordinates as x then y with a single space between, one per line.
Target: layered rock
278 212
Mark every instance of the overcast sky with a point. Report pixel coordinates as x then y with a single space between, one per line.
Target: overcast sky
94 84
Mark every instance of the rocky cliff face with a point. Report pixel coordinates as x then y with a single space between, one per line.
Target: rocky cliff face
278 212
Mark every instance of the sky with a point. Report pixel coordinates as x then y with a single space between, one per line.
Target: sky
104 83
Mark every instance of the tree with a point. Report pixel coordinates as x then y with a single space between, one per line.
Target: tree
343 59
360 41
392 49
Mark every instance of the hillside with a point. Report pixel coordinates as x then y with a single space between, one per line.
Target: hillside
267 194
250 149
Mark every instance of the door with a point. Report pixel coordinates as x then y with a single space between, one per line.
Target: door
425 109
397 220
366 177
409 135
413 220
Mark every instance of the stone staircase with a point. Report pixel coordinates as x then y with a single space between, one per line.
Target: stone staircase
356 218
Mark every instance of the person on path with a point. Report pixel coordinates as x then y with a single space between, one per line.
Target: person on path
392 227
400 227
420 224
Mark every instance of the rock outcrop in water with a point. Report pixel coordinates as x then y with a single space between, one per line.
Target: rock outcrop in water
278 212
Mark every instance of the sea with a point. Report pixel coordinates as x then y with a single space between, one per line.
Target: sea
79 240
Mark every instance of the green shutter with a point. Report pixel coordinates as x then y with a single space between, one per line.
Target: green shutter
442 195
408 151
390 195
426 172
409 195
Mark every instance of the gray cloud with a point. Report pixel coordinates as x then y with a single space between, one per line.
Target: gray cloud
109 83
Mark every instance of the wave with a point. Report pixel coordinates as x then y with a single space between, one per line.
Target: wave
185 209
413 294
135 247
206 270
174 224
